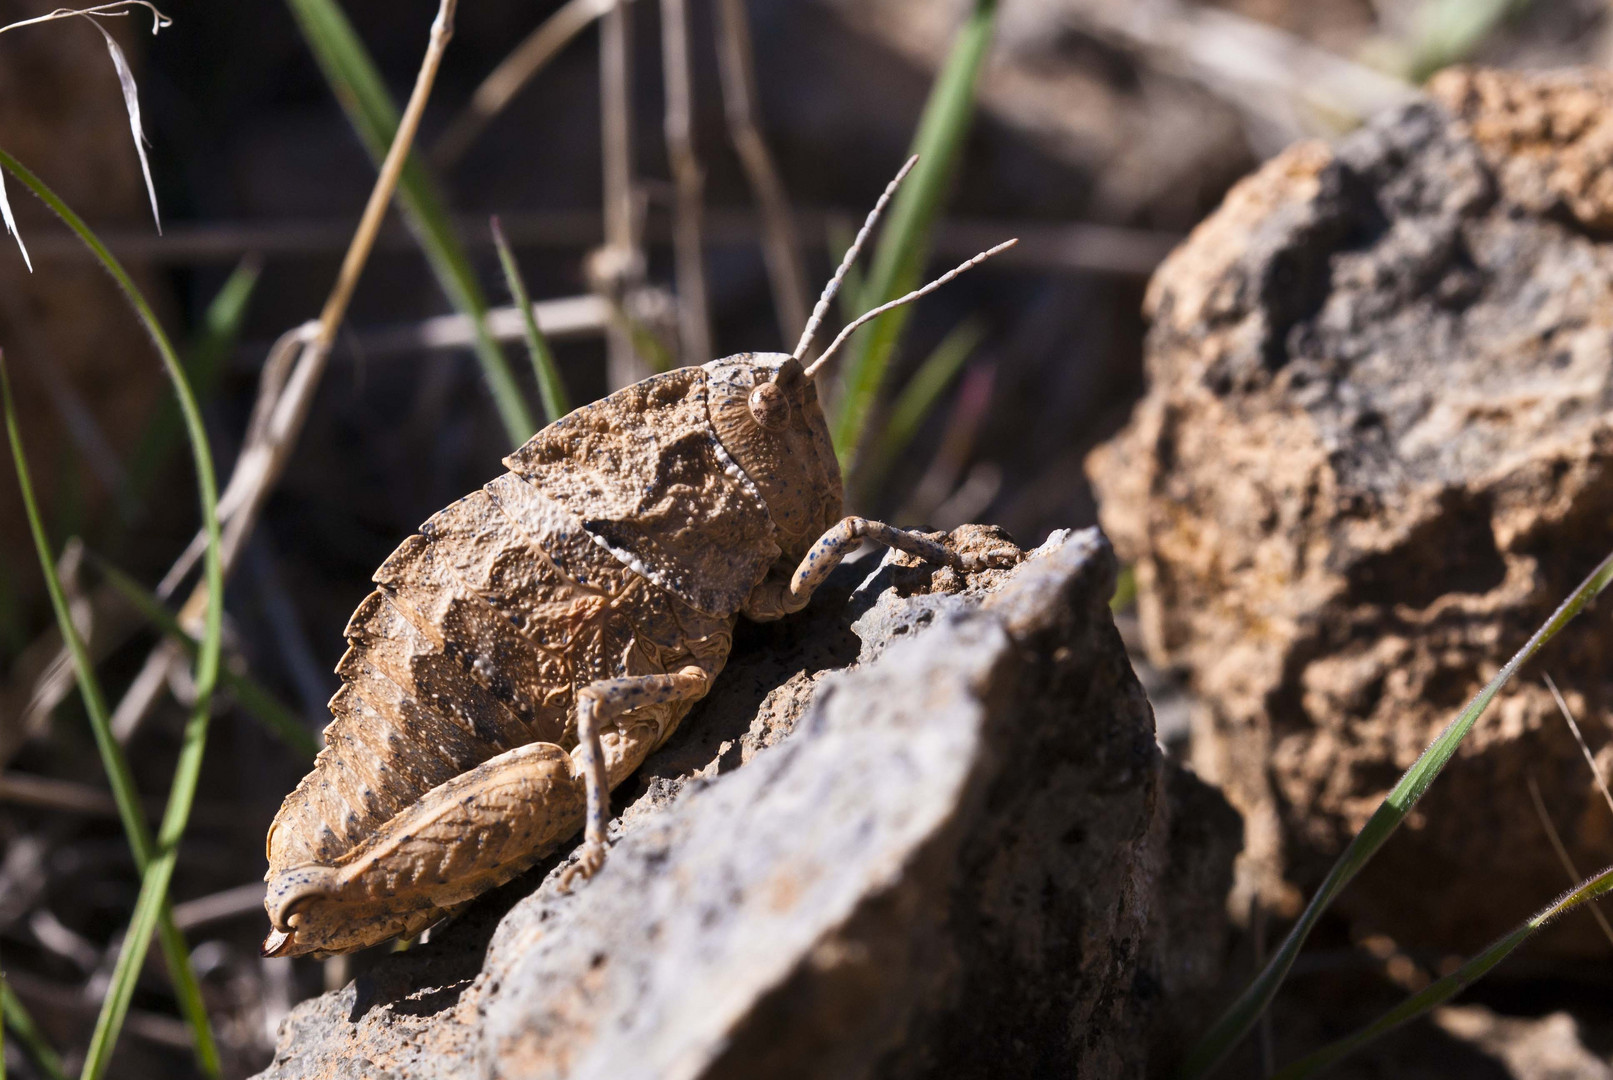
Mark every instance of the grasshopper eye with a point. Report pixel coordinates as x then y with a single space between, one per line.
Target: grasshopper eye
769 406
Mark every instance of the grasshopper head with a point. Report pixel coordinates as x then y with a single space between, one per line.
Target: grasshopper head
766 415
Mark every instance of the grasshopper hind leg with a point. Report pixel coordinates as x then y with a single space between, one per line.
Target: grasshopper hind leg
477 830
464 836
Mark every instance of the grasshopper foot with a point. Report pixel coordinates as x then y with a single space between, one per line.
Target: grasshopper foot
589 863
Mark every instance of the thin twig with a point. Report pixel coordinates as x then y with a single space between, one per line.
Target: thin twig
688 179
145 691
216 907
513 73
781 249
1064 247
1563 857
63 795
1590 759
618 266
566 318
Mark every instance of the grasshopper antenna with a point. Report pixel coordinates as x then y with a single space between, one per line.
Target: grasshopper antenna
851 327
833 287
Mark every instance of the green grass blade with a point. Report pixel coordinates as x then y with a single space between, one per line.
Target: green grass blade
28 1034
1442 990
205 359
1235 1023
904 244
278 719
1447 31
550 386
116 765
357 84
153 903
921 393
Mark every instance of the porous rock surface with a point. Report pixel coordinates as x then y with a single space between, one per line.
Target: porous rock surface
1374 456
963 857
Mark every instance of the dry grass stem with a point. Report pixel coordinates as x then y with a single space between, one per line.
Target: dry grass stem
1590 759
513 72
114 10
131 97
618 267
688 179
442 30
1062 247
131 103
126 83
1563 857
215 907
567 317
1285 87
42 677
285 395
23 789
145 691
781 249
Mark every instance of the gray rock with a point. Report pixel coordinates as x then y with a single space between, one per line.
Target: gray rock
968 858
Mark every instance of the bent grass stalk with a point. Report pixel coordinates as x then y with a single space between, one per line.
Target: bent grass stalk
1236 1022
1442 990
156 875
357 84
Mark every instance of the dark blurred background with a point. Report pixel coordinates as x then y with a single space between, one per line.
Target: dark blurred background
1105 130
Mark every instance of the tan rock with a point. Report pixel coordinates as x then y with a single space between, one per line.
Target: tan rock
1375 454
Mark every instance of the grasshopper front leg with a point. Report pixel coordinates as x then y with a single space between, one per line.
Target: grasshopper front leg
844 538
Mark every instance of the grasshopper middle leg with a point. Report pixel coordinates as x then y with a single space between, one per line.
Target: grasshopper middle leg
597 705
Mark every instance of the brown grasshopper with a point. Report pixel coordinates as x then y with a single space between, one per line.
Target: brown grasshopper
528 648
